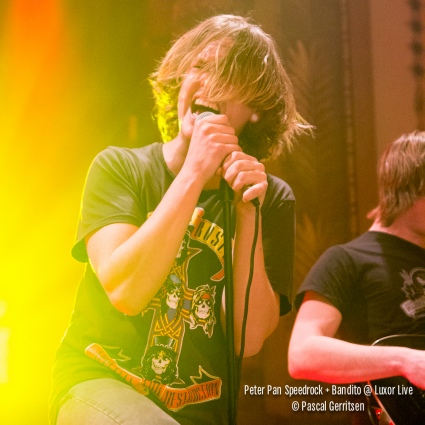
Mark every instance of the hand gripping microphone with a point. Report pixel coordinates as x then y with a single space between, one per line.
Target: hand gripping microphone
227 191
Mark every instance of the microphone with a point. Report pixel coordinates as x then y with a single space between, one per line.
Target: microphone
228 193
203 115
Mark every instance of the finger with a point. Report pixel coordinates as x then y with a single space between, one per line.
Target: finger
245 179
214 124
255 191
238 156
243 172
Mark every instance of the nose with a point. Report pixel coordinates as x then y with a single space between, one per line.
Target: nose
200 83
202 79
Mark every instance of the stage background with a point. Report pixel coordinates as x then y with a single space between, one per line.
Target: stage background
73 80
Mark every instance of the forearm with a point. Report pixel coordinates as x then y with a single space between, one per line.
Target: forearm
327 359
133 273
315 354
263 310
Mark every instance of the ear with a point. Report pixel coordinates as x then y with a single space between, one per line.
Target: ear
254 118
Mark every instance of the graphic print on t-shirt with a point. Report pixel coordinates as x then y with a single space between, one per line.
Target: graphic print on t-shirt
414 288
175 310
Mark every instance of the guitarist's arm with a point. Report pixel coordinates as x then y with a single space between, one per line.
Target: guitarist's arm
315 353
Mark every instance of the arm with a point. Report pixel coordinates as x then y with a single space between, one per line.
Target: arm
244 172
123 255
315 354
263 311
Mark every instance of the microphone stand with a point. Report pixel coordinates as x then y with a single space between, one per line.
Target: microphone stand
227 194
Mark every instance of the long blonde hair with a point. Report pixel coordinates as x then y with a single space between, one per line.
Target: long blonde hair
250 72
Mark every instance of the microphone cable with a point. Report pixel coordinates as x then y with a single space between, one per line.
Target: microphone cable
248 289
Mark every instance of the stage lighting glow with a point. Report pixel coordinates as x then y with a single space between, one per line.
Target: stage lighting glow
4 346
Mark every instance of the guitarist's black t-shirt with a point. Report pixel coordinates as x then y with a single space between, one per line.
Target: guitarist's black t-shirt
377 282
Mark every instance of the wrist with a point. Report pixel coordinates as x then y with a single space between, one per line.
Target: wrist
189 181
401 363
244 209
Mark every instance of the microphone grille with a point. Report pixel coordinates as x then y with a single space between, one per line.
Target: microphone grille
202 115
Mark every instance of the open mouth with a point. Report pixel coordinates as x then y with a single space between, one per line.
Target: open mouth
198 106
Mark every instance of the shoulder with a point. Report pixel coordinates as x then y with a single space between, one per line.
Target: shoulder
340 263
279 188
332 259
279 196
364 247
333 275
348 252
127 163
115 156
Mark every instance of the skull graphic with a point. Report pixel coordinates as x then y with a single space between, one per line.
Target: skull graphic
203 307
173 297
160 363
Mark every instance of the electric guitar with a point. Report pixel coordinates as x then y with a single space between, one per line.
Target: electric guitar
400 402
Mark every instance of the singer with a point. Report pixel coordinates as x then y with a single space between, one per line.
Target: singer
146 341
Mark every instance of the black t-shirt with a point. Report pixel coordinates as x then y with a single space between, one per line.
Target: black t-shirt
377 282
174 350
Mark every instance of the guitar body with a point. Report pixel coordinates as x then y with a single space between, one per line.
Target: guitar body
402 402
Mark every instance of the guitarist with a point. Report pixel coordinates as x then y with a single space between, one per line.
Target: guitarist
371 287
